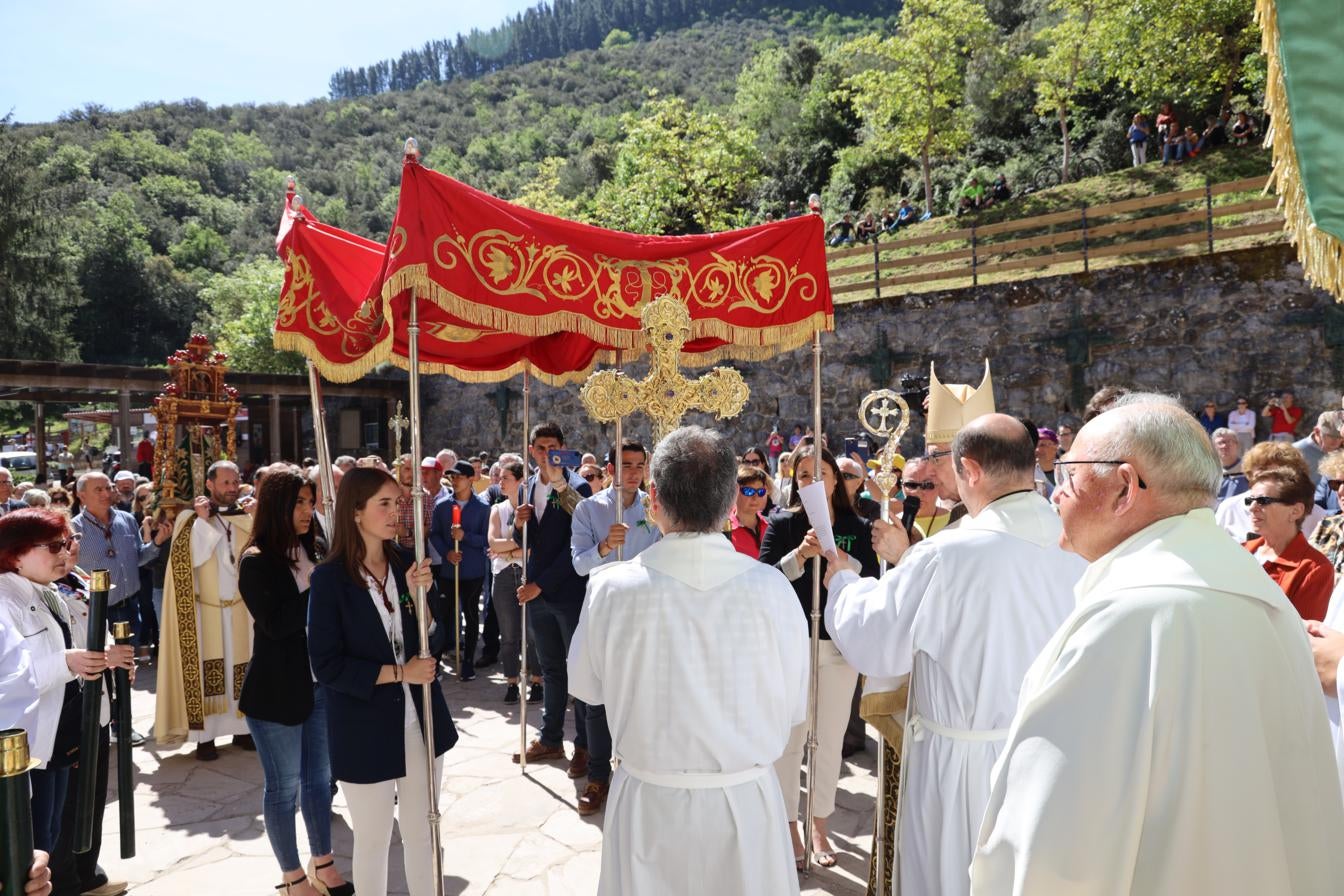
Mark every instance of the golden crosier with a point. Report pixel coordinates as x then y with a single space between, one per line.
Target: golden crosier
875 413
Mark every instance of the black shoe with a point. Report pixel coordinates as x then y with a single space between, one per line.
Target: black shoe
244 742
468 673
206 751
487 660
534 694
136 740
511 694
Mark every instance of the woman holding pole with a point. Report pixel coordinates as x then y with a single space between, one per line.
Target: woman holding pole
34 547
363 642
286 709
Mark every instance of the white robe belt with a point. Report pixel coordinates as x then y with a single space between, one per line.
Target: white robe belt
696 780
919 725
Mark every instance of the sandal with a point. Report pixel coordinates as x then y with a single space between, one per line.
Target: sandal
291 883
825 859
345 889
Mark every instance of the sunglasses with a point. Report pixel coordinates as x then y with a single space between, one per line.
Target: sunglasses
56 547
1335 484
911 486
1265 500
592 477
748 492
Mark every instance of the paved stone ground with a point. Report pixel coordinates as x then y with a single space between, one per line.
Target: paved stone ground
199 827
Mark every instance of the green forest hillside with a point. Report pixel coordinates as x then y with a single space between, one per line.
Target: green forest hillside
121 231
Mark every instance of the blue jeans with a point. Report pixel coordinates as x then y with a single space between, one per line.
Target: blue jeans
49 786
551 628
594 721
126 611
297 769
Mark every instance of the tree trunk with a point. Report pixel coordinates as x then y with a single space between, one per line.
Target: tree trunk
1064 134
928 180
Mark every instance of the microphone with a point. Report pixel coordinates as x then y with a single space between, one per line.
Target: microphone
909 510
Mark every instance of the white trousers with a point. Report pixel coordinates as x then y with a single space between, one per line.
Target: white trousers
835 693
371 809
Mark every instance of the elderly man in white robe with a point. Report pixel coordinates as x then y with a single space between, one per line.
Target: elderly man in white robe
967 611
700 656
1170 738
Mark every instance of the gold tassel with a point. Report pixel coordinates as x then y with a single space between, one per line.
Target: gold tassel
1321 254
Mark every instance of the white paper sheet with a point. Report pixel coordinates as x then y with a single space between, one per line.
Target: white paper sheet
817 505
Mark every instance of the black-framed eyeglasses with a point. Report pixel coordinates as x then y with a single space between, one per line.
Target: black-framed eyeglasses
938 455
749 492
850 476
1062 470
56 547
754 461
1265 500
912 486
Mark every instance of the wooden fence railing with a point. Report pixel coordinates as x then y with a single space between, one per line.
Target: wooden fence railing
1058 242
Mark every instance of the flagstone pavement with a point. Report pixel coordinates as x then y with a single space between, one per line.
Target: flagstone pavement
199 830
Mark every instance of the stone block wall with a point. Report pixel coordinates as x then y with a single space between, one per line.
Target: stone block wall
1214 326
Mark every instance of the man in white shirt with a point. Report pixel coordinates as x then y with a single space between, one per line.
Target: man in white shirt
699 654
1169 739
963 614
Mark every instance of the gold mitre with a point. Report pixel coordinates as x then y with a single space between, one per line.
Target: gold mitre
952 406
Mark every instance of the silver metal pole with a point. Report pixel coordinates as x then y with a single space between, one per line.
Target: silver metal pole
524 681
880 833
816 616
617 485
418 497
323 450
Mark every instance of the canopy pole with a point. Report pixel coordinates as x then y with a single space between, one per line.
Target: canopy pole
323 451
421 603
816 617
524 680
618 456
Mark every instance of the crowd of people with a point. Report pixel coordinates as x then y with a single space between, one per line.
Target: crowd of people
1178 143
1037 567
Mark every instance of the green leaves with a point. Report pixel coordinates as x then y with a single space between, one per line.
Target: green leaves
240 309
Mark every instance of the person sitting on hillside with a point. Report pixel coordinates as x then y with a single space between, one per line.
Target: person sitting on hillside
1166 123
888 221
1243 130
843 230
1214 134
1137 135
794 211
906 214
972 198
1175 148
999 191
866 229
1192 142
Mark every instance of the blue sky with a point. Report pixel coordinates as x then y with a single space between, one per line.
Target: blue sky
59 56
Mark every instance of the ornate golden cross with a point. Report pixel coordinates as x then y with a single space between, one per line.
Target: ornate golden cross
875 413
665 395
398 424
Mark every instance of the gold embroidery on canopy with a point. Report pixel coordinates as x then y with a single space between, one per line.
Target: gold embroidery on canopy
300 298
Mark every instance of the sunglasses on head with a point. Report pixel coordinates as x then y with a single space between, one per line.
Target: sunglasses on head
1265 500
910 485
56 547
749 492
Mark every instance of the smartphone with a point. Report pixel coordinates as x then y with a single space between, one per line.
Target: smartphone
857 446
563 458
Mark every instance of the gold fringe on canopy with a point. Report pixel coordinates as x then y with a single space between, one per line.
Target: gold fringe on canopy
1321 254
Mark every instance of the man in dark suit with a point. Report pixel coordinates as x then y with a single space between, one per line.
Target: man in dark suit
471 562
546 510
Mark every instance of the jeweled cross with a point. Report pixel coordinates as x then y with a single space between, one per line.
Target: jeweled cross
398 424
880 406
665 395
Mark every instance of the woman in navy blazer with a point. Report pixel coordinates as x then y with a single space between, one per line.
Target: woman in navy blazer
364 644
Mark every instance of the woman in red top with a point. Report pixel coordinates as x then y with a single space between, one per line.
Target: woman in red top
1278 501
746 523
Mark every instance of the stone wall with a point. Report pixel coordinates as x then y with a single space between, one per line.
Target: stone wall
1215 326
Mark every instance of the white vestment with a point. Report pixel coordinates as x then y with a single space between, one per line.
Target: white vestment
967 610
210 544
1334 618
700 656
1169 739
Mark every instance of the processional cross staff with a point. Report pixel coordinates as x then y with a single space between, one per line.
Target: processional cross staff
875 414
398 424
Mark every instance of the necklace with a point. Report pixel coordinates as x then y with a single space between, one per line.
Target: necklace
107 532
393 627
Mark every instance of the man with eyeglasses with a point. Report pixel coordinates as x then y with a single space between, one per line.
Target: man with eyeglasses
7 500
942 615
1324 437
920 482
1228 448
1169 738
595 540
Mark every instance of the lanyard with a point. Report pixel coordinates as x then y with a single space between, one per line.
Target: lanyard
107 533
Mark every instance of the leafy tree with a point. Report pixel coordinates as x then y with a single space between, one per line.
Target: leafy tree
200 247
239 310
1069 61
911 98
678 171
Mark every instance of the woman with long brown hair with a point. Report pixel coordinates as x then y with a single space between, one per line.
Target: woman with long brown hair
363 640
791 544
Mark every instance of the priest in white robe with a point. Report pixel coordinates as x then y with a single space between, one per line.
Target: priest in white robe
1327 648
964 614
701 658
1169 740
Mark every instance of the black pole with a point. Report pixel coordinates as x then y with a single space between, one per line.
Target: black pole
87 780
975 276
1208 212
877 268
16 811
1084 216
121 679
